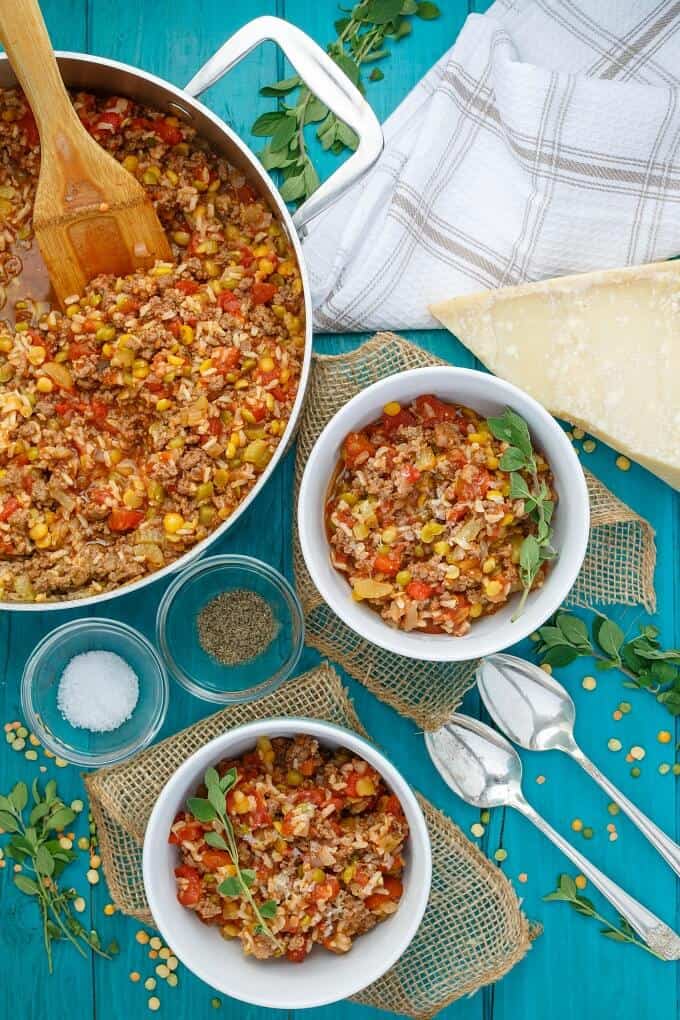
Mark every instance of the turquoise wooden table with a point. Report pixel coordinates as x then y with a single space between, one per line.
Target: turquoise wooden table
572 971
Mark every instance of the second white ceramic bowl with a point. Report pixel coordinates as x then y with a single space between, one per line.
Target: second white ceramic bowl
278 984
489 396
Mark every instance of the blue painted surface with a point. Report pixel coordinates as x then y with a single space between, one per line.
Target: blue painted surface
571 971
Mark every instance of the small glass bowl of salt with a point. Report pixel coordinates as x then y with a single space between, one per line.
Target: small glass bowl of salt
94 692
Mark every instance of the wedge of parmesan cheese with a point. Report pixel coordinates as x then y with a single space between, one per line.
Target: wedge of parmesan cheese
601 350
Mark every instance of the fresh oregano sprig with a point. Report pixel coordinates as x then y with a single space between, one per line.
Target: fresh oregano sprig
519 457
33 843
362 35
644 662
567 892
214 809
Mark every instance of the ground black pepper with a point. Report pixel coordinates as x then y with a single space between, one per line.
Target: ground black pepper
236 626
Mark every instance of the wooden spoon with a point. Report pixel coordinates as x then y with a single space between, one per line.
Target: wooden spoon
91 216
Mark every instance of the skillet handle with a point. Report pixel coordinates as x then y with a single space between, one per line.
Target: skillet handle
326 80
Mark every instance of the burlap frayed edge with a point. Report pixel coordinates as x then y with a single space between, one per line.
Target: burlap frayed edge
618 567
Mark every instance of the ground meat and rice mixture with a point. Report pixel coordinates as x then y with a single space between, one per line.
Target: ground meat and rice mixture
420 520
323 835
134 423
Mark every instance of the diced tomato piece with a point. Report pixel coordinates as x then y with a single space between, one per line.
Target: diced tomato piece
326 890
411 473
308 768
356 449
474 485
190 893
388 564
258 411
317 795
108 122
352 780
190 832
186 286
246 194
260 816
394 887
214 859
458 612
419 591
78 350
392 805
361 876
142 124
225 358
297 955
11 506
99 410
168 133
124 520
90 326
228 301
261 293
392 422
432 410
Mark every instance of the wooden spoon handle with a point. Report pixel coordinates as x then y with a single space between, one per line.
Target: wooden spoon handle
24 36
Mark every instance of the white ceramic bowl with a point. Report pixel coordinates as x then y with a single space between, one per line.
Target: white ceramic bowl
487 395
323 977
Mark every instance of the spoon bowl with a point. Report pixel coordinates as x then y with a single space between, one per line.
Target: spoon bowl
527 704
476 762
536 712
484 770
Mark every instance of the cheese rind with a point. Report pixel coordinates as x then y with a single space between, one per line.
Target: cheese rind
601 350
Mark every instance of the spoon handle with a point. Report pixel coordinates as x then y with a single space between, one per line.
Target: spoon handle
661 939
669 850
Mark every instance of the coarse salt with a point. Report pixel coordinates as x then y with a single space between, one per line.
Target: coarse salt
98 691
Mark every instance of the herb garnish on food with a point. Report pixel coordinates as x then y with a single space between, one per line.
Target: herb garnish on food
214 808
566 892
647 666
511 428
35 846
362 36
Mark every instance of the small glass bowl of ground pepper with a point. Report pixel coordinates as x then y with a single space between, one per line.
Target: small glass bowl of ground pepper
230 629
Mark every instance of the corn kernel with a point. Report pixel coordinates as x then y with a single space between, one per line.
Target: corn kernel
44 384
430 531
442 548
392 408
492 463
489 565
493 588
452 572
172 523
348 873
186 334
622 463
131 163
365 787
495 495
403 578
476 610
36 355
266 364
317 875
38 531
6 344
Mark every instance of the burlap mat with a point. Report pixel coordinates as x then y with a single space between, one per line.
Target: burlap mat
618 567
473 931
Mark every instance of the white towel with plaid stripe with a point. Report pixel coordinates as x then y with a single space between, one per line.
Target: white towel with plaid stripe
545 142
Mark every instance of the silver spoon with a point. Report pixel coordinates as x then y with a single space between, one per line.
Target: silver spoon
485 770
536 712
